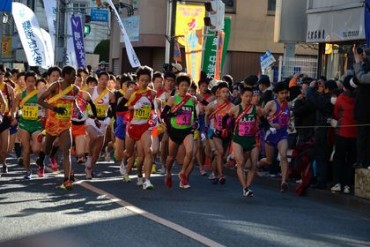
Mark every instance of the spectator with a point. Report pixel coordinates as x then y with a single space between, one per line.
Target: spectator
266 93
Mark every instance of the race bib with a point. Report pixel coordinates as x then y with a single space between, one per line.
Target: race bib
283 120
246 129
30 112
101 110
218 123
184 118
68 113
142 113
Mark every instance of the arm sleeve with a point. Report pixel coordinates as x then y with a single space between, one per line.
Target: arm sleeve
93 108
112 112
166 113
122 103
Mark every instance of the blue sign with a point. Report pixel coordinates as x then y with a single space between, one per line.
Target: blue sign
6 5
78 41
367 22
99 14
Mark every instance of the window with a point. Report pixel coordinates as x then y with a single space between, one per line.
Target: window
271 6
230 6
79 8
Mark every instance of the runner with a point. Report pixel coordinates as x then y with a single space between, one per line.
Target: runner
140 105
220 137
244 135
7 121
180 116
59 99
29 125
103 100
278 114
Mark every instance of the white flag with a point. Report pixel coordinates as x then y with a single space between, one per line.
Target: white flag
49 51
30 35
51 16
134 60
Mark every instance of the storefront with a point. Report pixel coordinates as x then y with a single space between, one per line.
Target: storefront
336 29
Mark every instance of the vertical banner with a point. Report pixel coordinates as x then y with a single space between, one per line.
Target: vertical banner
219 51
6 5
70 55
176 52
134 60
6 48
78 41
49 51
210 49
30 35
132 25
193 53
367 22
187 16
51 16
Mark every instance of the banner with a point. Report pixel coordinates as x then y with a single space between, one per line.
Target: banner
49 51
78 41
266 60
188 17
132 25
209 59
219 50
134 60
70 55
30 35
176 52
51 16
193 53
6 5
6 46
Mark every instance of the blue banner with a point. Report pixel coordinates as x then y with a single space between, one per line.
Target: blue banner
367 22
6 5
78 41
99 14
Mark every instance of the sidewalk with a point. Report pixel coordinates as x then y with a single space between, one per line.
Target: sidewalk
349 202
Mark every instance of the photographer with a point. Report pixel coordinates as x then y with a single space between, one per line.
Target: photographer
361 109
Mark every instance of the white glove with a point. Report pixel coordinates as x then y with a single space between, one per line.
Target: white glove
138 106
273 130
334 123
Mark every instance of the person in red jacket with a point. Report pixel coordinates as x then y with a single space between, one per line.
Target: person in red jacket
345 139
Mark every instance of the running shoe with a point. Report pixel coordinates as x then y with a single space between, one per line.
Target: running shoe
139 181
346 189
222 180
202 172
89 172
184 186
168 181
54 164
122 169
284 187
67 185
41 171
211 176
126 178
247 192
336 188
147 185
28 175
162 171
5 169
183 179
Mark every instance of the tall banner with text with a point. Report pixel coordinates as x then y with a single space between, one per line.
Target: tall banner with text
78 40
30 35
51 16
70 54
210 49
134 60
193 53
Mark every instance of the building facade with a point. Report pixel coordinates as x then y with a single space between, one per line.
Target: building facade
252 33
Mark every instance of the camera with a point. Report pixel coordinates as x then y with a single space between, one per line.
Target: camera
359 50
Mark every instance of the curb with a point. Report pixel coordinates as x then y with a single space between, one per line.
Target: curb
349 202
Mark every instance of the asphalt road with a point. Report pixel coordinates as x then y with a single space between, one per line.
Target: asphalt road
107 212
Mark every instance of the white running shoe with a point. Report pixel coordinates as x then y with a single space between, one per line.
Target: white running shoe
140 181
147 185
336 188
122 169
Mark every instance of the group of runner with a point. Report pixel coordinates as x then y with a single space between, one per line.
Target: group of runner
150 116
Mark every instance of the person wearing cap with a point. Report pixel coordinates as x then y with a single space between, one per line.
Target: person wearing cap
345 138
176 68
278 115
324 111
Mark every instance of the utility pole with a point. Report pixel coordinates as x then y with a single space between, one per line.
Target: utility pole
1 35
170 29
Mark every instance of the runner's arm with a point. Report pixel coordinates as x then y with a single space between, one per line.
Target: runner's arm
42 98
3 104
166 112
